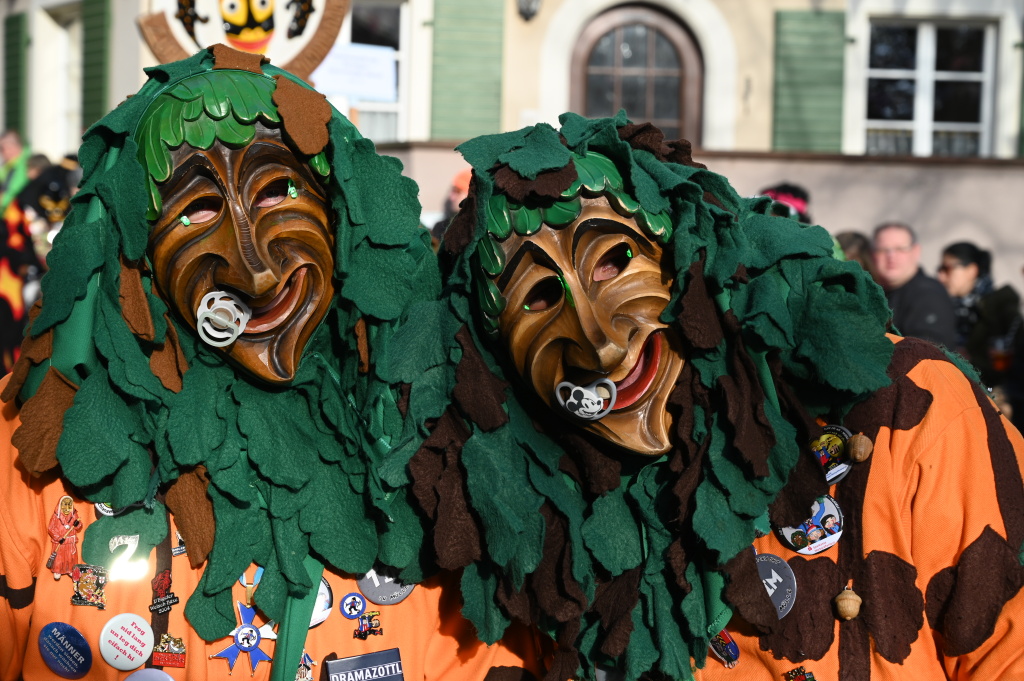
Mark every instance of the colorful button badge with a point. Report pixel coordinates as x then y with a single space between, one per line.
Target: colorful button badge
832 452
65 651
819 532
126 641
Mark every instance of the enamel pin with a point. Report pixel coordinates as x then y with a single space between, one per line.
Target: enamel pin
247 638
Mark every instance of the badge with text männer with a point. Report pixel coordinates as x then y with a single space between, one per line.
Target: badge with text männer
126 641
169 652
819 532
779 581
368 625
89 582
382 589
163 597
323 606
723 645
383 666
832 453
798 674
246 639
353 605
64 650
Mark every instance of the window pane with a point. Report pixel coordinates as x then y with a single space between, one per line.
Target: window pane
634 45
957 102
634 96
379 126
959 49
375 25
671 131
666 97
665 56
890 142
893 47
945 143
603 53
891 99
600 95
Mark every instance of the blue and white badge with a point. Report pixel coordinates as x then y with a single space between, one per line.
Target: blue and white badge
353 605
65 651
383 666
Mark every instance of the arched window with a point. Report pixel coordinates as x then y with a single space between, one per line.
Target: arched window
645 62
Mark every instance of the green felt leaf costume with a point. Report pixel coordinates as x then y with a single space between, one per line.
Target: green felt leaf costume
294 472
625 559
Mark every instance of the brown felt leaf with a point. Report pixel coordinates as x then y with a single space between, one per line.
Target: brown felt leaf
168 360
893 607
614 602
698 320
134 306
42 422
460 231
806 633
746 594
549 184
964 602
362 345
478 393
34 350
225 57
193 513
304 115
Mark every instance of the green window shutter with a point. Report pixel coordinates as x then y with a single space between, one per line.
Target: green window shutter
466 97
95 59
15 71
808 95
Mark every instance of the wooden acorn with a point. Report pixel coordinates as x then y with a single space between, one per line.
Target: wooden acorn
848 603
859 447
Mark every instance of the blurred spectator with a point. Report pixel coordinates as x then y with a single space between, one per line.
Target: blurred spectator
793 198
14 168
35 165
920 305
857 248
456 193
18 264
987 319
46 201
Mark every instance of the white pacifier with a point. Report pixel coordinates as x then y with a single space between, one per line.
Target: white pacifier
221 318
584 401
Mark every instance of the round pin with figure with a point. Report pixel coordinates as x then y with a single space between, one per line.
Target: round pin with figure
832 452
819 532
778 580
353 605
588 402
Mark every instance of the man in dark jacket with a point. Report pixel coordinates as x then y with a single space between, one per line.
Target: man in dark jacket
920 305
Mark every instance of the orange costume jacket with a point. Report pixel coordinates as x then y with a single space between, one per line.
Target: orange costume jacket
933 526
432 638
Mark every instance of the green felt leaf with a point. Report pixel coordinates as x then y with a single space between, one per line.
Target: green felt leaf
478 588
541 151
149 525
612 533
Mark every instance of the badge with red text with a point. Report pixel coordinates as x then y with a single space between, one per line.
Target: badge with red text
169 652
126 641
163 597
89 582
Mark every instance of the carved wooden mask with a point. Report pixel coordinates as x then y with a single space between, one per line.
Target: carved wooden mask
246 234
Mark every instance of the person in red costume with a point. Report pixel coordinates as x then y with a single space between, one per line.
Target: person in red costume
63 530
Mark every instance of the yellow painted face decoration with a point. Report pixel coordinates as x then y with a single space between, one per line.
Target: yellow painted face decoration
583 303
253 222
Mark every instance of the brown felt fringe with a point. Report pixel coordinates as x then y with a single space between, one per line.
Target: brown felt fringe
807 632
549 184
193 513
753 605
304 115
478 393
42 422
752 435
225 57
168 361
134 305
964 601
34 350
649 138
614 602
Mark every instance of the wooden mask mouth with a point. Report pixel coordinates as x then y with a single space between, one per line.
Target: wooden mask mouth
253 222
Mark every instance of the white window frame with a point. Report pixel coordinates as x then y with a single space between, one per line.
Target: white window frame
925 76
1007 16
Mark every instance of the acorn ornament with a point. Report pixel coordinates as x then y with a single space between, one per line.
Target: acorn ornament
848 603
859 447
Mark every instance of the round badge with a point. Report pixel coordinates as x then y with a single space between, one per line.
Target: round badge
65 651
832 452
779 581
247 637
324 604
149 675
819 532
126 641
353 605
383 590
